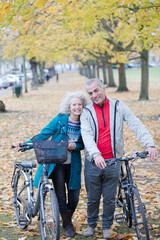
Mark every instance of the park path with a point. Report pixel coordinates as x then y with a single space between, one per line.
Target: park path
28 114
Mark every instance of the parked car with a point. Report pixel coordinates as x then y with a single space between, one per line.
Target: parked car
4 83
134 65
153 65
11 78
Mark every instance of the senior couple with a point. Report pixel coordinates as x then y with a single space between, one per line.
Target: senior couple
98 128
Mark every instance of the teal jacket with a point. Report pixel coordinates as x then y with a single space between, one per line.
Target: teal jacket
59 124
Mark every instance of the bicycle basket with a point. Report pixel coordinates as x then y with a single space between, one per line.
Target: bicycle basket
53 151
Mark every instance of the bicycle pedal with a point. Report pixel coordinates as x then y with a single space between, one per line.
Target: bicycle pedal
23 220
119 218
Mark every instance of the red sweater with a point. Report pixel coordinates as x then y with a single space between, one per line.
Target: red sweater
104 138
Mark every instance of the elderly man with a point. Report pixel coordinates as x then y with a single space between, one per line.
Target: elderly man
102 133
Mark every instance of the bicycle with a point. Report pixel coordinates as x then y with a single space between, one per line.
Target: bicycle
128 198
26 207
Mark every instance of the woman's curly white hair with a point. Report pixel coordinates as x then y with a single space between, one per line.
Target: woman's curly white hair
65 104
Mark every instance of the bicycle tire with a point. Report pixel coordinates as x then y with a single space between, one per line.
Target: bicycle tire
50 225
22 210
139 216
126 208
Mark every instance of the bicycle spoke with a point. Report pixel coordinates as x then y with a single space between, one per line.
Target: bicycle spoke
50 225
21 200
123 202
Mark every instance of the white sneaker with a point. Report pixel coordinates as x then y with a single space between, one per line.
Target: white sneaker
107 233
89 232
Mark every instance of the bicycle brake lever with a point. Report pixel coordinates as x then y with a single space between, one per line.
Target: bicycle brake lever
135 155
21 150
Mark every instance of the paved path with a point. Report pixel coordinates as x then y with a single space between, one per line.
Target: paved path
7 91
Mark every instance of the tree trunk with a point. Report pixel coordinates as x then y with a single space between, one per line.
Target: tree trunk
62 69
34 84
52 71
41 71
97 71
94 71
89 75
81 71
25 76
104 73
122 78
144 76
111 82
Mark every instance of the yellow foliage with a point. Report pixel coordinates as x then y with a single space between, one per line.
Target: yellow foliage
53 31
4 9
40 3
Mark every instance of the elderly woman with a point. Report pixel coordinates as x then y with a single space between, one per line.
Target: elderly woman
69 173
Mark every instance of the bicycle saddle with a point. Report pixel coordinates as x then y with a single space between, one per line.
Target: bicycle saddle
26 164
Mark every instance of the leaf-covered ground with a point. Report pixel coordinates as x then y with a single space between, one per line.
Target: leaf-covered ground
27 115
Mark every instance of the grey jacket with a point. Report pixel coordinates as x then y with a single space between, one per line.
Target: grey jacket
89 129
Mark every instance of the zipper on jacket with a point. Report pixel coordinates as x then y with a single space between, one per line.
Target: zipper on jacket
95 138
103 116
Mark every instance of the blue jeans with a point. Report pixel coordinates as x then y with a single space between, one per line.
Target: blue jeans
60 176
101 183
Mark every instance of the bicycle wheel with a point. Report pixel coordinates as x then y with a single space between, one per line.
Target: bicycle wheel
124 198
49 216
139 216
22 210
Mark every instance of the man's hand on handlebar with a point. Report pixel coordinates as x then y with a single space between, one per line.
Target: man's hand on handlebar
152 153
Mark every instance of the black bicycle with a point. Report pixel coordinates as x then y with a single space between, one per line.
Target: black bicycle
129 200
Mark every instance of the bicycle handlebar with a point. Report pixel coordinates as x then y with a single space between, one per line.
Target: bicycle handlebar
22 146
134 156
140 155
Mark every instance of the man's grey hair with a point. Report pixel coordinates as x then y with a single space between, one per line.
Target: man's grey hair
65 104
90 81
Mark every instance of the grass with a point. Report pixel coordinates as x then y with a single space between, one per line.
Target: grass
10 231
134 74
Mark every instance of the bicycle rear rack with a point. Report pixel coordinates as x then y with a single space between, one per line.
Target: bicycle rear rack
119 218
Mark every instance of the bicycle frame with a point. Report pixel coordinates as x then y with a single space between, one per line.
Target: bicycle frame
34 204
129 184
39 196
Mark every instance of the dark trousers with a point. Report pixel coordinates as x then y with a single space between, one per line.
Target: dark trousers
101 183
60 177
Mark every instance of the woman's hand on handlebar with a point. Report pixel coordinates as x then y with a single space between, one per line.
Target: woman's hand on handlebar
16 145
